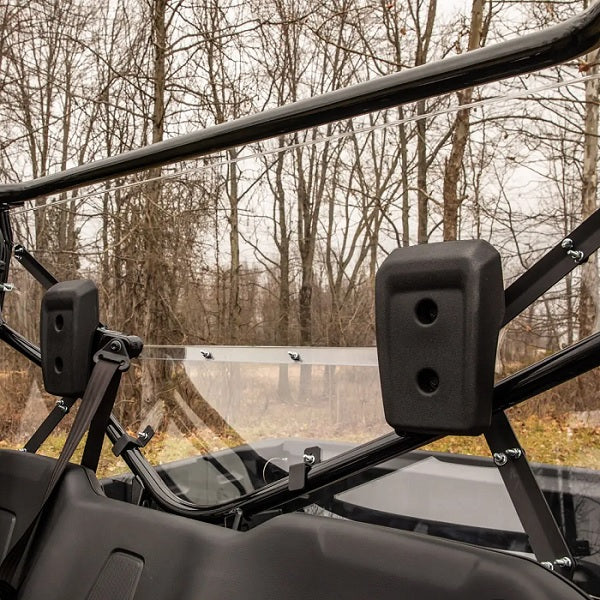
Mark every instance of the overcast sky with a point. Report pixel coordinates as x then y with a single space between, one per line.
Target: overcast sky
454 6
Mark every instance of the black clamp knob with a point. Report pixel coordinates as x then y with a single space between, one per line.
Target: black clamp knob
127 441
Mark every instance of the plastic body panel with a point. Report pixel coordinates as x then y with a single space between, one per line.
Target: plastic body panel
69 319
295 557
438 312
23 481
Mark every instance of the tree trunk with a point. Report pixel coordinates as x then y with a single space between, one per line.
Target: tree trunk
422 166
452 200
234 309
154 275
588 308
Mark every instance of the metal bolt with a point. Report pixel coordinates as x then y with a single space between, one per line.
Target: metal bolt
576 255
548 565
6 287
564 563
294 356
207 355
514 453
62 406
500 459
309 459
115 346
567 244
142 436
22 449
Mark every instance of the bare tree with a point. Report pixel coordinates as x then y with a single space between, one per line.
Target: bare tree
478 29
589 300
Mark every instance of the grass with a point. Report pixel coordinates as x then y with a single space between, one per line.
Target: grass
340 406
546 440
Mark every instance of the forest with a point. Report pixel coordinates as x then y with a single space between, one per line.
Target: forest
278 243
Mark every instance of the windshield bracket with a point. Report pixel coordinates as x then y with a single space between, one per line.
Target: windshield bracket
126 441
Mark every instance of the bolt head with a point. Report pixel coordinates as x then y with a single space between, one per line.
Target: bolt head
514 453
564 563
500 459
309 459
567 243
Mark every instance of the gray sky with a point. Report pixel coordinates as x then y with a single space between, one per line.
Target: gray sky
454 6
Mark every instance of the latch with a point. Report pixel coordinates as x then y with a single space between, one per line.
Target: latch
298 473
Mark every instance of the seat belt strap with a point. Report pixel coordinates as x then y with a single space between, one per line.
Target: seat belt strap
101 390
97 429
56 415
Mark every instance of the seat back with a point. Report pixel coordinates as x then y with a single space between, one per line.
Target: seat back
91 547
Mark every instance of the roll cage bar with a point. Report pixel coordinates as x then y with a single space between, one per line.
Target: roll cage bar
528 53
532 52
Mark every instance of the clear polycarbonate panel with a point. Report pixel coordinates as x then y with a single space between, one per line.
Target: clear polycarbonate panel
229 420
25 405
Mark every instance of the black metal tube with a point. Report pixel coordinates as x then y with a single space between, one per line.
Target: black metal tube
16 341
545 536
6 244
552 267
548 373
515 57
556 369
37 270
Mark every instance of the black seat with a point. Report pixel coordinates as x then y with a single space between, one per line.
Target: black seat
93 547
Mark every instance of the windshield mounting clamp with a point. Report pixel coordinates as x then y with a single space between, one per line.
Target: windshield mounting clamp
126 441
298 473
117 347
